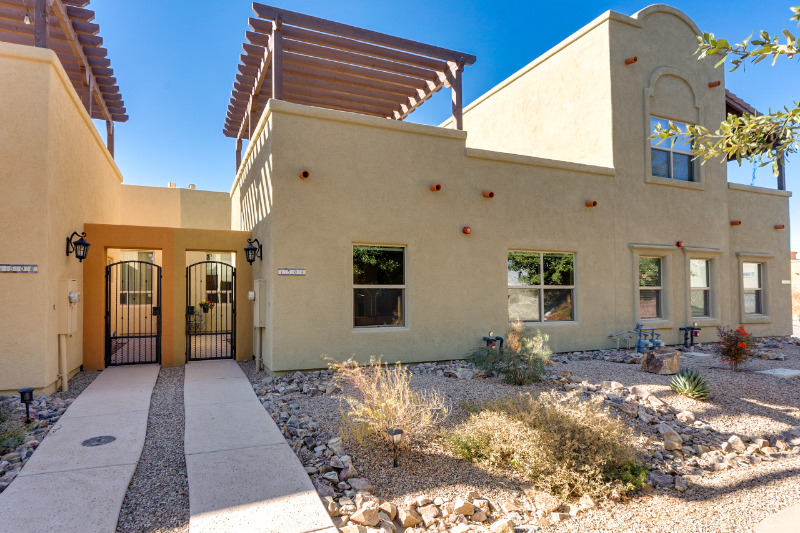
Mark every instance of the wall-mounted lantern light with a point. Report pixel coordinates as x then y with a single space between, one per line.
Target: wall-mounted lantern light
80 247
26 397
396 438
27 19
251 252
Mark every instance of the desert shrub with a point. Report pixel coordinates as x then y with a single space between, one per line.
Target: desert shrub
523 358
563 444
735 346
691 384
12 431
380 397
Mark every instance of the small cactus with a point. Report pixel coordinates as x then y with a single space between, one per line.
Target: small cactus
689 383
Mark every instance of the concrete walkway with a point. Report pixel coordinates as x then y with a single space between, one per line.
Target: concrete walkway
243 476
67 487
783 522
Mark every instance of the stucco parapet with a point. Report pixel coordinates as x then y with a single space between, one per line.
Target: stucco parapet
490 155
664 8
605 17
45 55
288 108
759 190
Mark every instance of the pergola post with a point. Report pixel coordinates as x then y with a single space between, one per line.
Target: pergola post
41 23
454 77
86 90
110 137
238 154
253 111
276 42
781 174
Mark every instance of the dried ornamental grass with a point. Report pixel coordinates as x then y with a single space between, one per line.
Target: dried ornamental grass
564 444
380 397
522 360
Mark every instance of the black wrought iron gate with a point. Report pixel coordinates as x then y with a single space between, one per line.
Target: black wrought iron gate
210 311
133 313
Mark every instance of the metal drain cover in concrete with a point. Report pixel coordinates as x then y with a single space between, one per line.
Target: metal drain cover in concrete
98 441
781 372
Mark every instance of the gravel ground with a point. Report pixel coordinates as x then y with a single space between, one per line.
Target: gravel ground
743 403
158 496
77 384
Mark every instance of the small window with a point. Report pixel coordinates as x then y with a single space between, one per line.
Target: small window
700 287
650 287
540 286
135 281
379 286
673 157
753 289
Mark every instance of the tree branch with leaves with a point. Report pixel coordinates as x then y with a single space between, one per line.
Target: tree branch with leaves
766 138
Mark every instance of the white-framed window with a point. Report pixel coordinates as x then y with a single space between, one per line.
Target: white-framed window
673 157
379 286
219 279
135 280
650 285
753 288
541 286
700 286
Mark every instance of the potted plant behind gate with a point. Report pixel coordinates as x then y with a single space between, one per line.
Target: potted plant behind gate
205 305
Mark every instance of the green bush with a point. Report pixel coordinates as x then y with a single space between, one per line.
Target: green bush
523 358
689 383
564 445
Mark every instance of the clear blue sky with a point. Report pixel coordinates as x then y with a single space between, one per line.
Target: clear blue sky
175 63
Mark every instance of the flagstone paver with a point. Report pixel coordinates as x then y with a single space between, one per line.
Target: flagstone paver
70 488
243 476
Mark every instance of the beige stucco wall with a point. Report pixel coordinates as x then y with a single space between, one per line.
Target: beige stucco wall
370 182
556 107
169 207
56 175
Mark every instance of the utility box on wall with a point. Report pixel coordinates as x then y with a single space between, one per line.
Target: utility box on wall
260 303
67 306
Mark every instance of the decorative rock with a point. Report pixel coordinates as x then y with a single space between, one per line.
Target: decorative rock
428 510
542 500
479 516
612 385
665 480
640 393
672 441
460 506
687 417
680 484
503 526
353 529
464 373
423 500
366 517
665 362
408 517
737 444
460 528
586 502
509 507
360 484
555 518
324 490
389 509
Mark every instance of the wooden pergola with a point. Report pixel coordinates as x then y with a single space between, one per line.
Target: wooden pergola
66 27
738 107
312 61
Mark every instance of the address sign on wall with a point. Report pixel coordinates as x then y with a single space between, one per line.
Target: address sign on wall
19 269
291 271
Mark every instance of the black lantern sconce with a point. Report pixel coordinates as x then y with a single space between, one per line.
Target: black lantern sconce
26 397
396 438
251 252
80 247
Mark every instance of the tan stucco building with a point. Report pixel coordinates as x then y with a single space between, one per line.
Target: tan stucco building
553 207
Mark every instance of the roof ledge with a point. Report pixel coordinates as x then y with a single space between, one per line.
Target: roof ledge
663 8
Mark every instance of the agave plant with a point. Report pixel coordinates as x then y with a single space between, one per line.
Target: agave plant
689 383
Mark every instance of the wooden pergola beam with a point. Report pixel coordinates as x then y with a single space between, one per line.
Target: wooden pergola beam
343 30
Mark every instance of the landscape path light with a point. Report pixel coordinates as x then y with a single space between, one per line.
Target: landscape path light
251 252
396 437
26 397
80 247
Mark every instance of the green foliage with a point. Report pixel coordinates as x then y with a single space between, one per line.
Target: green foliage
735 346
12 431
631 474
689 383
522 360
377 265
564 445
767 138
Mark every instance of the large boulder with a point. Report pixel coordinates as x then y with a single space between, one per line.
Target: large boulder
661 361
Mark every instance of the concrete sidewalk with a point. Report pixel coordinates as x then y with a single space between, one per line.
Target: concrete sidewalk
243 476
67 487
783 522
